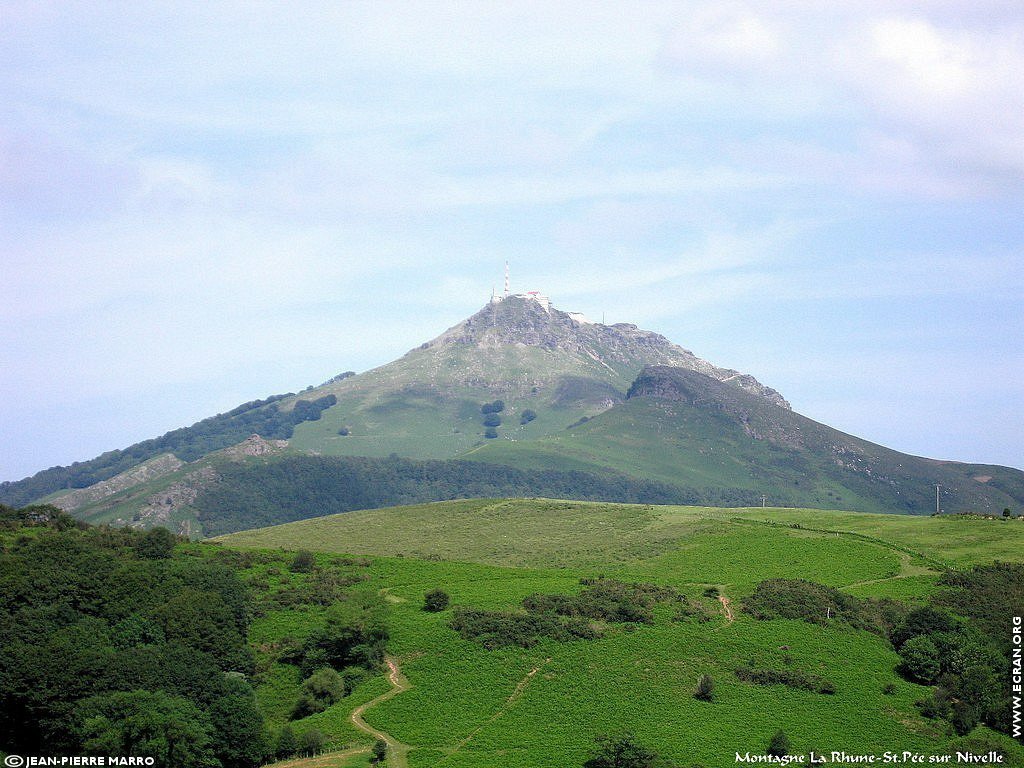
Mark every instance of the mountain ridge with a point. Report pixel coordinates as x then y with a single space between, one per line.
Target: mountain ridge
521 383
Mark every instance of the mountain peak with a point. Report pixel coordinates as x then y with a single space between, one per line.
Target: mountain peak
530 320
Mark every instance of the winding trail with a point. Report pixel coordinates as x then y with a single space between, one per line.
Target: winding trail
397 755
397 751
727 609
512 699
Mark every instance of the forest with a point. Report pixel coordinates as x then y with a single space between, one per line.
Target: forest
290 488
261 417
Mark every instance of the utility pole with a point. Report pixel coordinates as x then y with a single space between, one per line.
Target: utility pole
763 500
937 510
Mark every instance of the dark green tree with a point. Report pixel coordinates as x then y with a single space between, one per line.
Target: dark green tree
380 751
146 724
621 751
319 691
287 743
919 660
156 544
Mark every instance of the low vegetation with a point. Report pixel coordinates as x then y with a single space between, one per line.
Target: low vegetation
553 659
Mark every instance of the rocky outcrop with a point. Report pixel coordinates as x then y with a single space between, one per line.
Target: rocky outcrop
254 445
160 507
149 470
526 323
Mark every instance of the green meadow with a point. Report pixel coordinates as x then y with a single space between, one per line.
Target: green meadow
543 706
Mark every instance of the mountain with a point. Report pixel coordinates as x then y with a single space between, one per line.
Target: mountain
681 427
575 407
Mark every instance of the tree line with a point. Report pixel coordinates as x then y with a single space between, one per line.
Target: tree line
262 417
291 488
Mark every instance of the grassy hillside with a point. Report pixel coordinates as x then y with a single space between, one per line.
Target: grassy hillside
542 706
688 429
541 532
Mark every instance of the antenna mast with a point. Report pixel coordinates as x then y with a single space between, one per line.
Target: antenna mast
506 280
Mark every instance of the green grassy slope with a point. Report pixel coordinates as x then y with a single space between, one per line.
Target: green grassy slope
541 707
544 533
681 427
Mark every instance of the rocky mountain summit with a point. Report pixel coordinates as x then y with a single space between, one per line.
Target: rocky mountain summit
525 322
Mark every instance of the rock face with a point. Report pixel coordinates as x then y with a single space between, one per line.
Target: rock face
523 322
149 470
254 445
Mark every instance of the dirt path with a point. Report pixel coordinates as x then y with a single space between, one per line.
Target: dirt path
397 751
727 609
326 760
512 699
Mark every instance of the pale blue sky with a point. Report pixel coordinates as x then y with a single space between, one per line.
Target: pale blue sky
201 204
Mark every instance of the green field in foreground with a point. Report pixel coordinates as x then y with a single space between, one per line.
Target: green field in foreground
541 707
548 533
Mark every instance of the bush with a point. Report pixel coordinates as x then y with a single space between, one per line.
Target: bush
496 407
344 431
779 745
303 562
705 688
319 691
492 420
527 416
435 600
791 678
490 433
621 751
380 751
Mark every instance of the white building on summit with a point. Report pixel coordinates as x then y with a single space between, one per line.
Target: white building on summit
537 296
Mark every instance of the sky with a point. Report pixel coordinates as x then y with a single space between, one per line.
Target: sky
206 203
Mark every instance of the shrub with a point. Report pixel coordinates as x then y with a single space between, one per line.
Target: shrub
791 678
303 562
527 416
492 420
496 407
779 745
380 751
490 433
344 431
319 691
621 751
435 600
705 688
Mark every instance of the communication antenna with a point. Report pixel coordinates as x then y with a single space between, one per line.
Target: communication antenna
937 510
763 500
506 280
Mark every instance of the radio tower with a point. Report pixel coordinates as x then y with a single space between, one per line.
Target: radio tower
506 280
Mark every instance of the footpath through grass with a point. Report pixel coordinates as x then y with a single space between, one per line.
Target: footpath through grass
541 707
